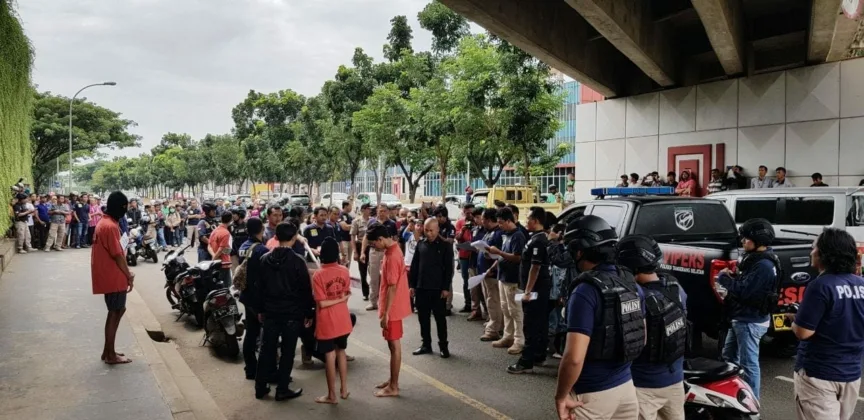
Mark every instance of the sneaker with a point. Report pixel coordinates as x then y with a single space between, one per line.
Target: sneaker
21 251
465 310
515 349
372 307
489 337
517 368
46 250
502 344
557 356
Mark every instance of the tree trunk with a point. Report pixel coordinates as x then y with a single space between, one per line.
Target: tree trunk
527 168
331 193
443 182
412 190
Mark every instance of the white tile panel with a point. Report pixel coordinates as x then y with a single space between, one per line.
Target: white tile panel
850 180
583 190
641 154
586 122
813 146
717 105
813 93
678 110
852 146
610 159
642 116
611 119
763 145
762 100
585 161
852 88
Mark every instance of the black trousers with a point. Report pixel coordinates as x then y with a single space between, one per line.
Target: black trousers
250 342
91 230
40 235
289 331
535 326
430 302
363 267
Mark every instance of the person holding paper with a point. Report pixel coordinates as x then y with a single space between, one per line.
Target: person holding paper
493 236
534 277
508 276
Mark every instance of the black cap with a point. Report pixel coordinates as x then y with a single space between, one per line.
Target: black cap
21 196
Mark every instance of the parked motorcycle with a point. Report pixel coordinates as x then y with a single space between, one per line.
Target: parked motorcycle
192 286
173 266
222 322
715 391
140 245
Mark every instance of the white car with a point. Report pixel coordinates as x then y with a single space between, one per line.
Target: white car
333 199
372 198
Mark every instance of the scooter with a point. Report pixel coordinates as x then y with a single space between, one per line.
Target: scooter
715 391
192 287
173 265
140 245
222 322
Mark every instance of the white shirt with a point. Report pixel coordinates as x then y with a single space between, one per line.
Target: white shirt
29 206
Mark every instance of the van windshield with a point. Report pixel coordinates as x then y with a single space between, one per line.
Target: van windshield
677 219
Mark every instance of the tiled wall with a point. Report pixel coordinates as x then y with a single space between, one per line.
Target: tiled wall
809 120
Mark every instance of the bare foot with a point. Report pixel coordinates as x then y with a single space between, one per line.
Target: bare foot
383 385
344 394
118 360
326 400
117 353
387 392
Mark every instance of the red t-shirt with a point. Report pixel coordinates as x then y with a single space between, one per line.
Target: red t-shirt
272 244
393 273
221 239
331 282
463 236
104 272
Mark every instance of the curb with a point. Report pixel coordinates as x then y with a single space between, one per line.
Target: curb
7 253
182 391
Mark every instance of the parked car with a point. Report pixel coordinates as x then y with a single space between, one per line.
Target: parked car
372 198
699 238
332 199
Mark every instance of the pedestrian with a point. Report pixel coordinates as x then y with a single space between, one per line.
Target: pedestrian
239 231
570 195
331 286
158 223
42 221
817 180
23 238
431 280
761 181
374 257
95 217
478 302
194 216
393 304
717 183
76 225
172 224
670 180
752 293
58 211
556 195
253 249
415 235
464 235
830 325
274 218
31 207
109 273
509 257
343 229
634 180
658 373
623 183
780 180
70 214
493 237
534 277
219 247
204 229
316 232
594 380
287 305
358 236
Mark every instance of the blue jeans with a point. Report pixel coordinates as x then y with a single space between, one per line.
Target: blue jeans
203 255
742 348
160 237
79 234
178 236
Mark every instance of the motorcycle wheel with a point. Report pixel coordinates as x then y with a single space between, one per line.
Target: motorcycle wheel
230 347
169 294
198 312
154 256
131 259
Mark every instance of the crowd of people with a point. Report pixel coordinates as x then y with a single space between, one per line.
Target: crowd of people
55 222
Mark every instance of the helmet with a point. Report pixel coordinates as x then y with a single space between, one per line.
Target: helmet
588 232
207 207
239 211
638 251
758 230
551 186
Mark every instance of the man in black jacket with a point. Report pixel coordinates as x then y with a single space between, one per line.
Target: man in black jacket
286 305
430 280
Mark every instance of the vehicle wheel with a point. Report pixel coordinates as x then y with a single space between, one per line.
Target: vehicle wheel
169 295
154 256
230 347
132 259
198 312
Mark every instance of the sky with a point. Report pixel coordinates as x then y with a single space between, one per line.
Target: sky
182 65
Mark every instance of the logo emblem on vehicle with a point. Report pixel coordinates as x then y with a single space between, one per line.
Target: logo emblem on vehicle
800 277
684 218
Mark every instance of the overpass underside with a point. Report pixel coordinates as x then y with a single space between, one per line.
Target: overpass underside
628 47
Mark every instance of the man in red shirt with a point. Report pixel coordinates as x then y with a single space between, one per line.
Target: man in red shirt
109 273
220 247
394 303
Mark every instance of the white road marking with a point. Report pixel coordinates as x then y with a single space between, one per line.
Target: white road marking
790 380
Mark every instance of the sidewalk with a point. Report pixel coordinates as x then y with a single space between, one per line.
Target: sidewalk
51 336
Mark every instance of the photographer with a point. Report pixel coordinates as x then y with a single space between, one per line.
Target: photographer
830 325
464 234
752 292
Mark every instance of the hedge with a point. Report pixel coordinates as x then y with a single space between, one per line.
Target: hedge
16 60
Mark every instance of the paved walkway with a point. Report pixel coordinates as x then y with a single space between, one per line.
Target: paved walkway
51 336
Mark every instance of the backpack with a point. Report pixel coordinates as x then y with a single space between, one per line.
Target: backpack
239 278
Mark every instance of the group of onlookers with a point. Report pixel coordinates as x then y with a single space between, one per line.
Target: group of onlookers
55 221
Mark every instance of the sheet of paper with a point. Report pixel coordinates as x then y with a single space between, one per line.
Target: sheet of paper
474 281
494 257
124 241
480 245
520 296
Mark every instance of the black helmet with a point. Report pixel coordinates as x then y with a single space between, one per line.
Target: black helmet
588 232
207 207
638 251
239 211
758 230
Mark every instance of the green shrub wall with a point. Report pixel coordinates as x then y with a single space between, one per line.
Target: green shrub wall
16 59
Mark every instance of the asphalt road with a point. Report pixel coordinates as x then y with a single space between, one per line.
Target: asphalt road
471 384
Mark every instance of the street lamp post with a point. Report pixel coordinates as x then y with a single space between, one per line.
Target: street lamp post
71 101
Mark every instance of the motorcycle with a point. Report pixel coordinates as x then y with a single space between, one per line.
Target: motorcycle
140 245
222 322
192 286
174 265
715 391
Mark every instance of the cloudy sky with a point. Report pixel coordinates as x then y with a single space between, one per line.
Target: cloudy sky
181 65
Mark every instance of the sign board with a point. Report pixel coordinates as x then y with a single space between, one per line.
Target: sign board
56 184
852 8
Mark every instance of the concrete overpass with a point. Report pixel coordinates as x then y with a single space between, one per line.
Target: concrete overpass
628 47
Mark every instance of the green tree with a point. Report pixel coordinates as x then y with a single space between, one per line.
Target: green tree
399 39
447 26
93 127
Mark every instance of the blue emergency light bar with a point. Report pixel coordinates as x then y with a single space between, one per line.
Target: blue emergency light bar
600 192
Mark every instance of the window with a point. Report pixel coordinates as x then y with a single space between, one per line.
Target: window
855 210
613 215
802 211
674 220
514 195
571 215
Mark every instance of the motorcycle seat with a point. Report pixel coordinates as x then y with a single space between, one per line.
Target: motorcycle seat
701 370
208 265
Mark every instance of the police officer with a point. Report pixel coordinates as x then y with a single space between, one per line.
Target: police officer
239 234
205 228
752 294
605 329
658 373
830 325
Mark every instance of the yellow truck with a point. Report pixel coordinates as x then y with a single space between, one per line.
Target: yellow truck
522 196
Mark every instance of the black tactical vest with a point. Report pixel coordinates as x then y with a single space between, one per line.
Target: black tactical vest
666 320
239 234
619 332
768 302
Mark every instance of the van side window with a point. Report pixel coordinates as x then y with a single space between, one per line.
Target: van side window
511 195
572 215
802 211
855 210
